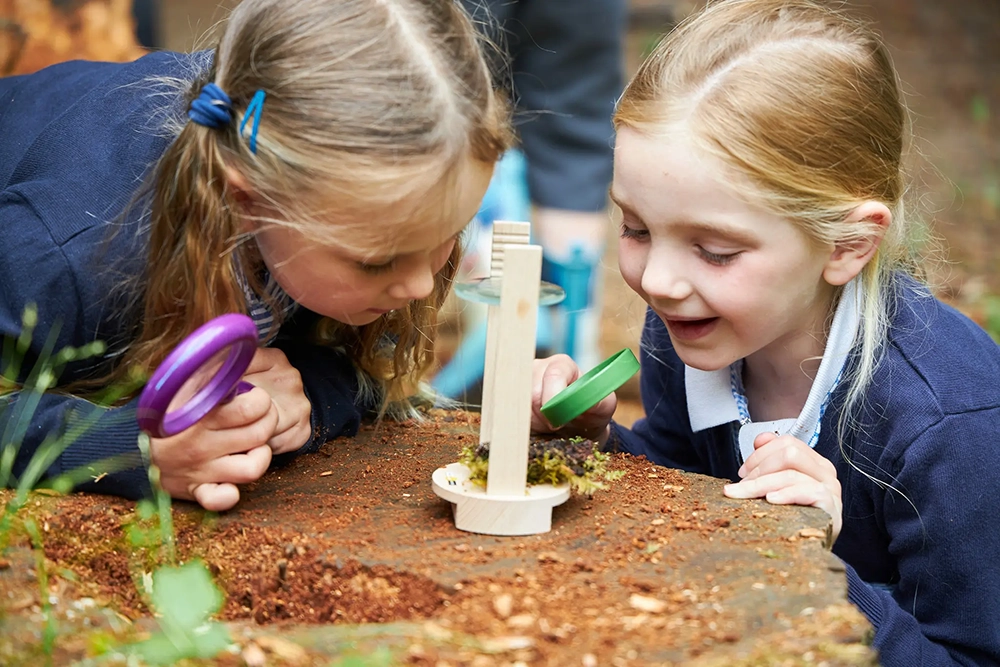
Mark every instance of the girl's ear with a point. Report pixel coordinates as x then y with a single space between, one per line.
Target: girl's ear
241 195
850 257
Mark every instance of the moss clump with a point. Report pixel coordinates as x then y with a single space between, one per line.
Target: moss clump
576 461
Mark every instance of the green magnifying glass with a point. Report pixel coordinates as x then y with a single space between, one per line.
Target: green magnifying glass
590 388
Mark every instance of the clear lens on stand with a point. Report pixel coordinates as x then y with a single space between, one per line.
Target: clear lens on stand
487 290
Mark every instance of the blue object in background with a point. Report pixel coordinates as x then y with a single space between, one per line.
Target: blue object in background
507 196
507 199
575 278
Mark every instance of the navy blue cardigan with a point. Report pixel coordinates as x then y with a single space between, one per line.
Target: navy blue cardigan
921 544
76 140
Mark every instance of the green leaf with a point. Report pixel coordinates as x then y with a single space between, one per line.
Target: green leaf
210 640
158 650
139 537
63 484
101 642
186 596
146 510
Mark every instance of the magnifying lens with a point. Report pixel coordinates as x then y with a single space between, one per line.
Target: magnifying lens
588 390
206 369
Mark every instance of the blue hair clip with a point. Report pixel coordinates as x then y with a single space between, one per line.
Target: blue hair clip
255 109
211 108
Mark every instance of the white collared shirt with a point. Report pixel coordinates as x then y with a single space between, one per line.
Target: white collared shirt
717 397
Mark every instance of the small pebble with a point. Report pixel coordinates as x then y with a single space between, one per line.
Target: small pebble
503 605
647 604
253 656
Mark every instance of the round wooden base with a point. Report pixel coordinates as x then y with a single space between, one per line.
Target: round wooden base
478 512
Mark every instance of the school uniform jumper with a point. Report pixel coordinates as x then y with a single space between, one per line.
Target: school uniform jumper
76 141
920 488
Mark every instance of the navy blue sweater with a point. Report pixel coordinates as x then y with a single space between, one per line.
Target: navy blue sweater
76 141
921 543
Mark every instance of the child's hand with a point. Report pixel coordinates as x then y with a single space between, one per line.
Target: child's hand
552 375
271 371
228 447
786 471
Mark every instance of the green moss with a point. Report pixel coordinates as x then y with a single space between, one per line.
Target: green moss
576 461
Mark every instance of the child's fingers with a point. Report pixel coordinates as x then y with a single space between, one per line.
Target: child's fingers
811 494
216 497
184 454
552 375
786 452
788 487
240 468
790 457
763 438
793 487
264 359
597 417
759 487
549 377
291 437
605 408
244 410
763 446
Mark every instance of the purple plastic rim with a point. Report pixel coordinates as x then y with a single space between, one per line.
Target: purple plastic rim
235 331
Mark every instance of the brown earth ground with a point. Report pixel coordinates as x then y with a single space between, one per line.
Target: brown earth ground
348 551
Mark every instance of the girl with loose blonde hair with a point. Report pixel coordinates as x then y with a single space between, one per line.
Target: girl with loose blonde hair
789 346
314 171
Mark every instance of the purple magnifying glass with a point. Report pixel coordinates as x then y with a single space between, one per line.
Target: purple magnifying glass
206 369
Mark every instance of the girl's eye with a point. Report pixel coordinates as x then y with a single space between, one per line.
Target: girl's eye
627 232
376 268
717 259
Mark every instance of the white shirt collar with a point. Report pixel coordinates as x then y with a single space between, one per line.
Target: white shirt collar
713 399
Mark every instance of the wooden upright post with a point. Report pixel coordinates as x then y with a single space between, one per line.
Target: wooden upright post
514 356
504 234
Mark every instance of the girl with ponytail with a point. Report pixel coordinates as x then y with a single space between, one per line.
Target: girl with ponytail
313 171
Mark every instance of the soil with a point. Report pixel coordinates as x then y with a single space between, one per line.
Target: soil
660 568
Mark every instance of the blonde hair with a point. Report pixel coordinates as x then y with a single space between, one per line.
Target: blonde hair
803 100
370 104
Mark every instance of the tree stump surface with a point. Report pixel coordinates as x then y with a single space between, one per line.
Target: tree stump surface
349 549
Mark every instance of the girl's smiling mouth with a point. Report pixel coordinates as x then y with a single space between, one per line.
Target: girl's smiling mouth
688 329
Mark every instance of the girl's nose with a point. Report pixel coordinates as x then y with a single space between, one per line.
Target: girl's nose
417 282
666 280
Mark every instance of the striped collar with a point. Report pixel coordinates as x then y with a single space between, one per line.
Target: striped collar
257 306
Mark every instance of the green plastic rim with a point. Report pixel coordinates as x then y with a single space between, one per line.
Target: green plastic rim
589 389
